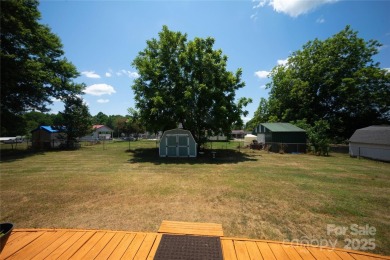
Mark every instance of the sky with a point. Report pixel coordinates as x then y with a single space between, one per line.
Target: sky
102 38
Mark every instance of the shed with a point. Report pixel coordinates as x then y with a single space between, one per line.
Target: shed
238 134
371 142
177 143
285 136
48 137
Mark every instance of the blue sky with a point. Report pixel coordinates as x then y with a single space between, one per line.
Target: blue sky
101 38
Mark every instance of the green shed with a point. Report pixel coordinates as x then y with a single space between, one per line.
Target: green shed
177 143
284 136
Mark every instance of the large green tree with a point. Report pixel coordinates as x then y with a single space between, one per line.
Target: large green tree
77 120
33 67
186 82
336 80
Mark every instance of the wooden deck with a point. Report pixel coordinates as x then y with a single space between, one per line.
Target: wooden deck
105 244
191 228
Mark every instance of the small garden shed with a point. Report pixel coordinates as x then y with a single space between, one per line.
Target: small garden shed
371 142
177 143
282 136
48 137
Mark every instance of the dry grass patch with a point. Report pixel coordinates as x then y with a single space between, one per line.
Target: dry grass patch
252 194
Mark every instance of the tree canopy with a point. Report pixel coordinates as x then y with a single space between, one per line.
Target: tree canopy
33 67
76 119
335 80
186 82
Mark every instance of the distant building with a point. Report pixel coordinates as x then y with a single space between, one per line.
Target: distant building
45 137
100 132
371 142
281 136
238 134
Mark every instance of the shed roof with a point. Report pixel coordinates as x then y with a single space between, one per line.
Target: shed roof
177 131
49 128
282 127
372 135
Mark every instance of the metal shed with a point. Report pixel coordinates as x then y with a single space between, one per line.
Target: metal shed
278 135
177 143
371 142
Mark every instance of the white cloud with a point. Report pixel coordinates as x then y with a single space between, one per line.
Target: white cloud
262 74
108 74
263 86
102 101
387 70
293 8
254 17
99 89
320 20
90 74
282 62
130 74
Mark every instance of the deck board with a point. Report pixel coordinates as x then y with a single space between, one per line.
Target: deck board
253 250
100 244
111 246
122 247
134 246
191 228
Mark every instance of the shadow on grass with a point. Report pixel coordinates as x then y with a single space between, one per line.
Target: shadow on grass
151 155
11 155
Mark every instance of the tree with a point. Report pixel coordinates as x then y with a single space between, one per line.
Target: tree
77 120
133 122
34 119
261 115
100 119
33 68
317 135
186 82
335 80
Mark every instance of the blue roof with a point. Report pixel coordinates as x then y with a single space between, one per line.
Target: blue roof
49 129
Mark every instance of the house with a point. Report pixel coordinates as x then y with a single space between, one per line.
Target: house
177 143
100 132
371 142
48 137
284 137
238 134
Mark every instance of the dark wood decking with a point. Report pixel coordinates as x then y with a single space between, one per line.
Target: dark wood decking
101 244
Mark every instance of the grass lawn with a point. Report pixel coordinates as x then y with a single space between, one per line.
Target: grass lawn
252 194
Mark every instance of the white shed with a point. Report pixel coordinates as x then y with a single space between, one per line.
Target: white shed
177 143
371 142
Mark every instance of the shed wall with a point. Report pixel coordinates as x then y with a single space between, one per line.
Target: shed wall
372 151
177 143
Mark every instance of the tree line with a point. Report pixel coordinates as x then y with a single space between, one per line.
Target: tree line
330 87
122 125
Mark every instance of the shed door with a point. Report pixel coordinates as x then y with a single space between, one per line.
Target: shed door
178 145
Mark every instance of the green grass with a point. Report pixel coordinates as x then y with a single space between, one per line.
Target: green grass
251 193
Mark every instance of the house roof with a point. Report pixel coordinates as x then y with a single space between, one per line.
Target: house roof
238 132
49 129
282 127
97 126
372 135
